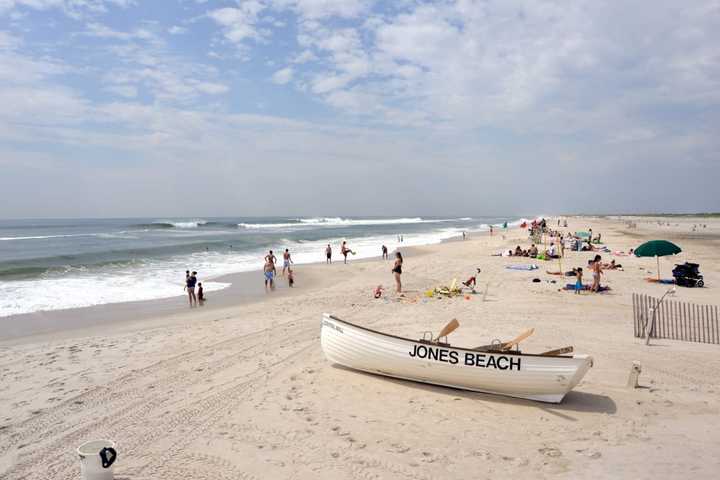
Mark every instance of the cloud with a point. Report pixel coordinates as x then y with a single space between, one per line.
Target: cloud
282 76
239 23
459 97
72 8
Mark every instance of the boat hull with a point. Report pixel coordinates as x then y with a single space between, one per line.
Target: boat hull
533 377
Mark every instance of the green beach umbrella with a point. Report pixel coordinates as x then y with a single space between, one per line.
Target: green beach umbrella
657 249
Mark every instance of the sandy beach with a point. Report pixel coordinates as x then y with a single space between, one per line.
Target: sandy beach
241 389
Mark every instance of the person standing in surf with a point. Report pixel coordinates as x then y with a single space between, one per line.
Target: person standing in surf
190 283
286 261
328 254
344 249
270 257
269 272
384 252
397 271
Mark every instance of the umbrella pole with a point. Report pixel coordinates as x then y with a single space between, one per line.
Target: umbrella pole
658 266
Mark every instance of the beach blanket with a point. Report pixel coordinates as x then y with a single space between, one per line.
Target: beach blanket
522 267
571 287
664 281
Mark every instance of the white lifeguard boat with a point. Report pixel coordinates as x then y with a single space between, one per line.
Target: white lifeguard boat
544 377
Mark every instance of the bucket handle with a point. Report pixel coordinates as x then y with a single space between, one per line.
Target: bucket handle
108 456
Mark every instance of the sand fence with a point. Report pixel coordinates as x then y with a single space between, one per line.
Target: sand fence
675 320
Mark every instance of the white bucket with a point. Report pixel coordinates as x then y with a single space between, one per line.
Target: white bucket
96 459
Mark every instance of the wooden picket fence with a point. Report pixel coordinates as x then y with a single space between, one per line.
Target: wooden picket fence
676 320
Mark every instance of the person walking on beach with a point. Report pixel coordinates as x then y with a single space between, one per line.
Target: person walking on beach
491 230
190 282
384 252
597 271
286 261
328 254
463 235
269 272
270 257
397 271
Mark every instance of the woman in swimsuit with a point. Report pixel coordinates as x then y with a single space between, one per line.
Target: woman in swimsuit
397 271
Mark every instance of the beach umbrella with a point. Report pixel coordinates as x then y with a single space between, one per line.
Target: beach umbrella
657 249
582 234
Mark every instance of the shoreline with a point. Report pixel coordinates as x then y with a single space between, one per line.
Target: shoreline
245 288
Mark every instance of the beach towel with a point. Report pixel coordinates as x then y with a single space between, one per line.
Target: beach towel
522 267
571 287
663 281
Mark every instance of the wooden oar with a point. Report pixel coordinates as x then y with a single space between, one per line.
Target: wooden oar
501 347
558 351
448 329
517 340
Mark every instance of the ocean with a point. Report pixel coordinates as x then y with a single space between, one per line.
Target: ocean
59 264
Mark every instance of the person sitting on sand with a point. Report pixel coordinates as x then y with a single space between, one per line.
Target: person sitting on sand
552 251
533 252
201 294
269 272
518 251
472 281
612 265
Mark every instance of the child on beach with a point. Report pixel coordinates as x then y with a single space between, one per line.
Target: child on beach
578 282
291 277
200 294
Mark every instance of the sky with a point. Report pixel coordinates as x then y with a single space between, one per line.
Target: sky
358 107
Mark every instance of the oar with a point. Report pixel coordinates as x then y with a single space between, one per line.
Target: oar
448 329
558 351
499 347
517 340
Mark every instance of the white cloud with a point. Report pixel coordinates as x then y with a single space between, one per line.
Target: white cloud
177 30
282 76
239 23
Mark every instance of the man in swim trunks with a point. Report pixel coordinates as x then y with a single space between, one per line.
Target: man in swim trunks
328 254
344 249
286 261
384 252
269 272
270 257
